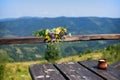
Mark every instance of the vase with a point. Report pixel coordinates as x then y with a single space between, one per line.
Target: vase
102 64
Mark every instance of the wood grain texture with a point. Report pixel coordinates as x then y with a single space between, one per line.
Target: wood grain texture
83 70
92 37
45 72
31 40
21 40
116 65
74 71
108 74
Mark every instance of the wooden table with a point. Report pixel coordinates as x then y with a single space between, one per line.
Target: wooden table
84 70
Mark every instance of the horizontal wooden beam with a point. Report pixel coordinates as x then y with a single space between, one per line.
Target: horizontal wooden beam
21 40
93 37
31 40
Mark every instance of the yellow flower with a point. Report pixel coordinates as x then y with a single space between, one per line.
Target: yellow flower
57 30
65 30
57 36
46 32
48 37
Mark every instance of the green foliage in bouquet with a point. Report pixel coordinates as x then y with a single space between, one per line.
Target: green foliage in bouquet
52 52
53 37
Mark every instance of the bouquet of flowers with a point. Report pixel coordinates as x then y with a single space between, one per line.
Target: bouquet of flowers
53 37
54 34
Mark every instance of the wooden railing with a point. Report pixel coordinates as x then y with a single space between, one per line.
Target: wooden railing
31 40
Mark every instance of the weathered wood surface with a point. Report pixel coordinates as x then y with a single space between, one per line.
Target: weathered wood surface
45 72
116 65
21 40
93 37
85 70
31 40
108 74
74 71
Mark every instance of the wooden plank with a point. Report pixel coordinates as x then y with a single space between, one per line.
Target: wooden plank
45 72
108 74
116 65
92 37
21 40
30 40
74 71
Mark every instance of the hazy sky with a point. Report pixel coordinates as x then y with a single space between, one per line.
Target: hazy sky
56 8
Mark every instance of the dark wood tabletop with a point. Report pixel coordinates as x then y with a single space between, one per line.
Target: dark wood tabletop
83 70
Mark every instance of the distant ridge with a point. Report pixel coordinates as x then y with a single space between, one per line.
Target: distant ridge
25 26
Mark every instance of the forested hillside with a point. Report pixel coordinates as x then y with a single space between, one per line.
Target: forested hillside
76 25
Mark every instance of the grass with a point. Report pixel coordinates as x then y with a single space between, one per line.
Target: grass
76 58
19 70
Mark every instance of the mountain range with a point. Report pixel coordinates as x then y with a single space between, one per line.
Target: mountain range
25 26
